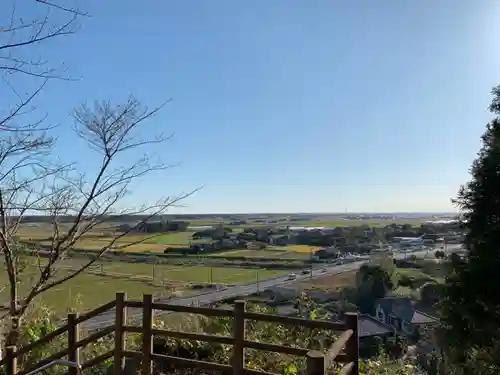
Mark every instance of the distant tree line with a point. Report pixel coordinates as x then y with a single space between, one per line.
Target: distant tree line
158 226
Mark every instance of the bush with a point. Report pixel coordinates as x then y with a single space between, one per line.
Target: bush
271 333
431 293
439 254
406 281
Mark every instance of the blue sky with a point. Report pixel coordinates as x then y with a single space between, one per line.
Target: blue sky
287 105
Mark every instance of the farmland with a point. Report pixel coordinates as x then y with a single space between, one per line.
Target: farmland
330 282
100 237
100 284
282 253
301 248
132 243
136 274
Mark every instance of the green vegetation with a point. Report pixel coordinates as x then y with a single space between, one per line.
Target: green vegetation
471 307
86 291
176 238
40 323
100 284
274 254
374 281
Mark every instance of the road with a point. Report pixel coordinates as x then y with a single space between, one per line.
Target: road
108 318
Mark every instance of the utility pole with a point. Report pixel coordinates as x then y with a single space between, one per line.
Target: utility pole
211 275
153 272
257 277
311 261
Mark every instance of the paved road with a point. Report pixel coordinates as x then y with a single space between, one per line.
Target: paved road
108 318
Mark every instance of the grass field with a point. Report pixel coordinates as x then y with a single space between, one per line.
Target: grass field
186 274
276 254
301 248
331 282
155 244
93 244
192 274
177 238
87 291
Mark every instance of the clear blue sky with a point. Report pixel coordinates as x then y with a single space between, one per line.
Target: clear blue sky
287 105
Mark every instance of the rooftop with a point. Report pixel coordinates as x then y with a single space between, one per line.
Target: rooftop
403 308
369 326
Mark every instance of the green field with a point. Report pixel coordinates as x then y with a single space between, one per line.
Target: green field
276 254
178 238
87 291
187 274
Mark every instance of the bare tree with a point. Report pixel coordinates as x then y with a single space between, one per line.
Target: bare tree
24 139
32 181
73 203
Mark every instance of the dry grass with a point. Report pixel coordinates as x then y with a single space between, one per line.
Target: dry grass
96 244
331 282
301 248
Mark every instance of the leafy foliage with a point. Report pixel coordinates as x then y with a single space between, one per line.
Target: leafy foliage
471 308
374 281
271 333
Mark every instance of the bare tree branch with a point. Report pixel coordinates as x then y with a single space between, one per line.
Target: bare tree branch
60 191
33 182
75 11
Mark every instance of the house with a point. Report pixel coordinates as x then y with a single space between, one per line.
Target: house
368 326
400 313
280 240
372 333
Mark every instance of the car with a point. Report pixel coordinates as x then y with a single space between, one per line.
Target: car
291 276
305 272
323 270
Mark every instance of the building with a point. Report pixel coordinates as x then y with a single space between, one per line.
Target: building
399 312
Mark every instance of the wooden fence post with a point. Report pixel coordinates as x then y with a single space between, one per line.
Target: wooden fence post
73 338
315 362
120 343
239 338
352 345
147 334
10 353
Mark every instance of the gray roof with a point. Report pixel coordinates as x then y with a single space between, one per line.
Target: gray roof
369 326
403 308
422 318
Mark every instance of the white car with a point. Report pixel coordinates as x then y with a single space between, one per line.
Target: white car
291 276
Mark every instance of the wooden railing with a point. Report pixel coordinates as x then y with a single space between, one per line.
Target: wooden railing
317 361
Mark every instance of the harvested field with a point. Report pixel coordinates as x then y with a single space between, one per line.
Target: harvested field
97 244
301 248
331 282
274 254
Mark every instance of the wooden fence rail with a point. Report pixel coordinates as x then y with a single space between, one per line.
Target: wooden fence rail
344 350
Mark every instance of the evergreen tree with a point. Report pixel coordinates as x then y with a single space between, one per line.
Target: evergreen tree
471 309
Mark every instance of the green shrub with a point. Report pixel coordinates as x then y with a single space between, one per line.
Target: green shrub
42 322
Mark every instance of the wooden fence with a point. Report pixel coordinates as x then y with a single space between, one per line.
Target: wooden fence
317 361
